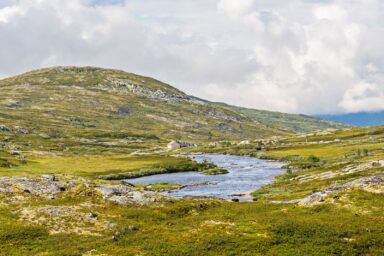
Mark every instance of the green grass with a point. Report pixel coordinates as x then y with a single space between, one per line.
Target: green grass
81 128
161 186
209 227
214 171
90 165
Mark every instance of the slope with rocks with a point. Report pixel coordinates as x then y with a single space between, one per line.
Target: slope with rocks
89 103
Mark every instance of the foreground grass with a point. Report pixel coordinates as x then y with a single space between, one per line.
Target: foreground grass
347 222
210 227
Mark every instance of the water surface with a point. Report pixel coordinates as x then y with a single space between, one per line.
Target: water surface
246 174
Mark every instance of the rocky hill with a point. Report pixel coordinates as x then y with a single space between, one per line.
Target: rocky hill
89 103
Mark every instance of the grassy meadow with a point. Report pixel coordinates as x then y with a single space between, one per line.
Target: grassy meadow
347 222
93 127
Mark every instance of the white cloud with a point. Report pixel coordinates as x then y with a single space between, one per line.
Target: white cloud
235 7
363 97
9 12
321 56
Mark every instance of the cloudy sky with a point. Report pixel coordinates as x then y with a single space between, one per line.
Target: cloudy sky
298 56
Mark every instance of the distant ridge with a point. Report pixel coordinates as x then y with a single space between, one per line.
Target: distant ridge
362 119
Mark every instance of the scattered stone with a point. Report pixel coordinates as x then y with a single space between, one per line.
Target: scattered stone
46 186
347 170
20 130
133 228
373 184
225 128
125 194
14 104
64 219
222 116
123 111
238 195
4 128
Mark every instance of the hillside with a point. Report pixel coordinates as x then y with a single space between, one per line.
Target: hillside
93 103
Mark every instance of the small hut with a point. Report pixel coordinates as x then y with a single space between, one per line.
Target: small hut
173 145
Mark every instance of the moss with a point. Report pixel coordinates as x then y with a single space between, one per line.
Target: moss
214 171
162 186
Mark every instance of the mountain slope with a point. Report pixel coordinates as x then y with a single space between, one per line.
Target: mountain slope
89 103
358 119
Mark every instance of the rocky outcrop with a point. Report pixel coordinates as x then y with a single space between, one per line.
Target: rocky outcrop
125 194
225 128
353 168
222 116
148 92
372 184
14 189
22 189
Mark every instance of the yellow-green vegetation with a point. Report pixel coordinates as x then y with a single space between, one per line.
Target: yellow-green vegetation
162 186
90 126
347 221
73 107
90 165
214 171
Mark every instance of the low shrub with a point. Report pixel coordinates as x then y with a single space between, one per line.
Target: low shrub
188 166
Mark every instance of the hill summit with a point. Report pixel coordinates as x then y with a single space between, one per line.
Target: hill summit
89 102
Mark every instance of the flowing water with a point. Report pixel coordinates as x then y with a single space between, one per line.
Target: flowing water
246 174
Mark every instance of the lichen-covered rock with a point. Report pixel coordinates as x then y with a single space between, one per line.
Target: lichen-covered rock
124 194
22 189
373 184
46 186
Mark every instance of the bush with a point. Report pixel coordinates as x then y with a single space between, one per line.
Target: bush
214 171
189 166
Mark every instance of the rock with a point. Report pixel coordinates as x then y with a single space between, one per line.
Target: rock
319 196
142 90
7 139
235 200
4 128
15 153
21 189
112 190
20 130
46 186
44 135
238 195
50 177
14 104
124 194
184 144
222 116
225 128
93 215
122 111
133 228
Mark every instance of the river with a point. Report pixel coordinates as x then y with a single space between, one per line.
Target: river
246 174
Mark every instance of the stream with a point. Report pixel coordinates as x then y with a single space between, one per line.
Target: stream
246 174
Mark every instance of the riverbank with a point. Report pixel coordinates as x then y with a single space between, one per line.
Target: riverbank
244 175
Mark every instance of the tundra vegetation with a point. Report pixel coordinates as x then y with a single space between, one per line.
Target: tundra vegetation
68 135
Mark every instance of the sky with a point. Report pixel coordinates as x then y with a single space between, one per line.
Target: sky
296 56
